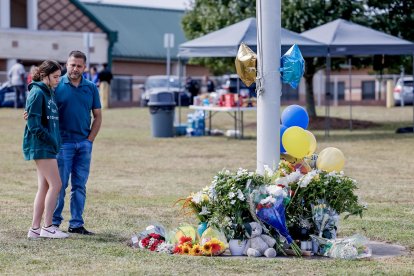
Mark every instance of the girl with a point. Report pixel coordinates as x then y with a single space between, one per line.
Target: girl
41 143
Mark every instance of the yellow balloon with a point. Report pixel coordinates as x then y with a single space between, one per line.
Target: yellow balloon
330 159
296 142
313 144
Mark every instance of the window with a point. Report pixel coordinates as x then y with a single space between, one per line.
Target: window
368 90
18 14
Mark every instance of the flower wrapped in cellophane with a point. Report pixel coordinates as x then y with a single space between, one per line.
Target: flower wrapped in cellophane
354 247
268 202
211 243
325 220
153 238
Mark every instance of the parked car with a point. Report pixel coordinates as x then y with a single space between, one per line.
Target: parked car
403 91
161 83
230 85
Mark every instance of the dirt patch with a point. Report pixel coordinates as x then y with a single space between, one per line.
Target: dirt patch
319 123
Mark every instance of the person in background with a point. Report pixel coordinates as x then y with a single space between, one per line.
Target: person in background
192 87
209 84
18 82
91 74
76 98
104 82
41 143
33 69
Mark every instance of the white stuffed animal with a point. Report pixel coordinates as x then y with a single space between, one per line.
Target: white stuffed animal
259 244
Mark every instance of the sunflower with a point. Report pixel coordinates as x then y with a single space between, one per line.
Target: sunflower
207 249
185 249
197 250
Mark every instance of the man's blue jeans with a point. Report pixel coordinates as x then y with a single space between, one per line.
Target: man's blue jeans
74 161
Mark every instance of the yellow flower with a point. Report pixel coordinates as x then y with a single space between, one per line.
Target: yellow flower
207 249
205 198
185 249
197 250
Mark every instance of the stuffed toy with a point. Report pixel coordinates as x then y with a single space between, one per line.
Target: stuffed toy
258 244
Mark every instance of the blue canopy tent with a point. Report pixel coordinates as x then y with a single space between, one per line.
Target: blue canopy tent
345 38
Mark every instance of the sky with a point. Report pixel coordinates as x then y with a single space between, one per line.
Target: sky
168 4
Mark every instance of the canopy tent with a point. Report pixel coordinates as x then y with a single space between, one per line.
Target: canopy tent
345 38
225 42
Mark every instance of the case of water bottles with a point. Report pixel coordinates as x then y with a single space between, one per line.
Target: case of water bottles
196 123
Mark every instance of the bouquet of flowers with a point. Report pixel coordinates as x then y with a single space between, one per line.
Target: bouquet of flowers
325 219
211 244
269 207
199 204
153 239
229 205
354 247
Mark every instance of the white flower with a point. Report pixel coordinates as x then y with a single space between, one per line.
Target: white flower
197 197
231 195
268 199
232 202
240 195
290 178
268 171
204 211
274 190
307 178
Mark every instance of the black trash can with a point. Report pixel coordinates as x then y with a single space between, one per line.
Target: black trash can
162 107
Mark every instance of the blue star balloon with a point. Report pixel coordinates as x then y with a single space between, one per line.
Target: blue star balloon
292 66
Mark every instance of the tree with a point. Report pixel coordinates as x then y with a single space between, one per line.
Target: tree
391 16
206 16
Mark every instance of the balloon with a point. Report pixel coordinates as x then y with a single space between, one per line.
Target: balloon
330 159
292 66
282 130
296 142
246 64
295 115
312 146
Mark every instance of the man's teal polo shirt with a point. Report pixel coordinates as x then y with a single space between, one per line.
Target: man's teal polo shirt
75 105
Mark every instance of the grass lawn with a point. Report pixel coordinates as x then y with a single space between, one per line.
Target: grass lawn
135 180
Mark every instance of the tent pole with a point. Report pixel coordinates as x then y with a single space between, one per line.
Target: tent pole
327 92
350 93
180 75
413 92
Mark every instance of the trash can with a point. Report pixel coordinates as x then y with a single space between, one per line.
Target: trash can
162 108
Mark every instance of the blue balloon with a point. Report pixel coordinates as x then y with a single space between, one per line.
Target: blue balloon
292 66
295 115
282 130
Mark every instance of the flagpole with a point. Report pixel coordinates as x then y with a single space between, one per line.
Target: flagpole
269 87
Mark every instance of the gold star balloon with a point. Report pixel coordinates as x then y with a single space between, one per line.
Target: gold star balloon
246 64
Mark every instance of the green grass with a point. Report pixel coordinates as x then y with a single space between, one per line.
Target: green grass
135 180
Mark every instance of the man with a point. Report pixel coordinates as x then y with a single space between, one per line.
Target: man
76 98
104 83
17 81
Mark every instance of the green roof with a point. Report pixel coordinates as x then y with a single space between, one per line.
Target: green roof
140 29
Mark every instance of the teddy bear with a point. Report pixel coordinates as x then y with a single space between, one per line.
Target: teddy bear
258 244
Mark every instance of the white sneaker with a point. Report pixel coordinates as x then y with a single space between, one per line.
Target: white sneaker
53 233
33 233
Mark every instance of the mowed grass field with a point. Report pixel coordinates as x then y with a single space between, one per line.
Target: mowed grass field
135 180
